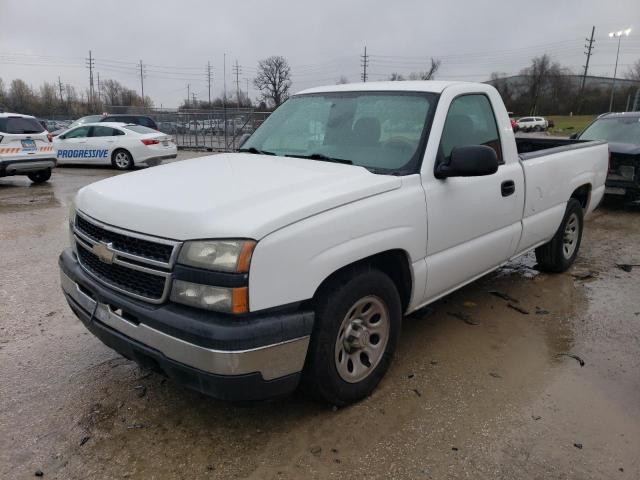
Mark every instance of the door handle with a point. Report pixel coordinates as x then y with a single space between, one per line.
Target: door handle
508 187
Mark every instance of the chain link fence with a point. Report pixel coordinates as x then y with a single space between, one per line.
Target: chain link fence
219 130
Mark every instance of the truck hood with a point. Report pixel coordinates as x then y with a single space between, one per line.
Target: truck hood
228 195
624 148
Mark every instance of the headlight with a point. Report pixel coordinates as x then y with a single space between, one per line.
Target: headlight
221 255
219 299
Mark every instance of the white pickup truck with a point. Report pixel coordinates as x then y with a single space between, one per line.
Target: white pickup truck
293 261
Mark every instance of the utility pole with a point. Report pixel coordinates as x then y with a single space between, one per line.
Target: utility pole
237 69
98 73
194 98
142 82
188 96
60 88
586 65
365 63
224 96
90 64
247 88
209 81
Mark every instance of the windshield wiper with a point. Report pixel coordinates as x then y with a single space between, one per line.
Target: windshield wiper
255 150
323 157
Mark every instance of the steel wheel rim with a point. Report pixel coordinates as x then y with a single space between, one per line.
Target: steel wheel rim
122 159
570 236
362 339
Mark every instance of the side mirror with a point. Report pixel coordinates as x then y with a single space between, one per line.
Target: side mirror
243 138
469 161
573 136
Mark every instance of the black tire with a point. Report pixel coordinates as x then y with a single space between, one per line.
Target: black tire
335 301
122 160
553 256
40 176
537 128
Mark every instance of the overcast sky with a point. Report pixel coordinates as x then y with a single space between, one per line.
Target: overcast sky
322 40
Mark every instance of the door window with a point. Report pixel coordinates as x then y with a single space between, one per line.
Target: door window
470 121
104 132
80 132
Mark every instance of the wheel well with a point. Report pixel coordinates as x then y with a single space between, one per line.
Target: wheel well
394 263
113 154
582 194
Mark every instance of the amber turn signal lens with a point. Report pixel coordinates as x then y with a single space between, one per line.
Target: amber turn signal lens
245 256
240 299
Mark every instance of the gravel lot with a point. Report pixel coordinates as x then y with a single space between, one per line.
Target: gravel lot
486 399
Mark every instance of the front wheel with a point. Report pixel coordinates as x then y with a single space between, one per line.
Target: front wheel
122 160
560 253
358 318
40 176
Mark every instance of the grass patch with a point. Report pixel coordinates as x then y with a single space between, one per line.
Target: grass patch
566 125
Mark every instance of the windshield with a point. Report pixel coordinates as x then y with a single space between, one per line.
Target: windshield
83 120
381 131
615 129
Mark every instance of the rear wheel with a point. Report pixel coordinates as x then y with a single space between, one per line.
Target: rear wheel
560 253
358 318
40 176
122 160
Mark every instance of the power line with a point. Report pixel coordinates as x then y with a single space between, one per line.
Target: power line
364 61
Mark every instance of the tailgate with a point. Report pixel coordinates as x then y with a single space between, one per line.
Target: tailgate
17 146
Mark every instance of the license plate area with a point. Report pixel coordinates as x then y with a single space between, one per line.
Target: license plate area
28 145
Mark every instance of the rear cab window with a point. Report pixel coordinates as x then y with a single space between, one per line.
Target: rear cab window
20 125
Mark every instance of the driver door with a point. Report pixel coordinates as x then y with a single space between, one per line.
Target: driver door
474 223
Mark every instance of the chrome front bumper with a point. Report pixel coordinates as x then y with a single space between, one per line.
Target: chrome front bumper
271 361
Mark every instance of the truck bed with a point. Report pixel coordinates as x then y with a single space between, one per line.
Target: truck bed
533 147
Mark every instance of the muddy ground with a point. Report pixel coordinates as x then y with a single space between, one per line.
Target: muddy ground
485 399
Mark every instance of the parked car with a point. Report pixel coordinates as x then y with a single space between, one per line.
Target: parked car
532 124
122 145
143 120
622 131
124 118
25 148
295 259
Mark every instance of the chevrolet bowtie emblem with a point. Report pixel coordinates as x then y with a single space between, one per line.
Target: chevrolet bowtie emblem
104 252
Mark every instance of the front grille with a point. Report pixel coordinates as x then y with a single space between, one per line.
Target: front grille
134 281
125 243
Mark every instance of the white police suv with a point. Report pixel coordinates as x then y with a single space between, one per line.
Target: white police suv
123 145
25 148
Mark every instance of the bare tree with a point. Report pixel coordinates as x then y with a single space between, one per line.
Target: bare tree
273 79
3 95
538 75
634 72
342 80
396 77
428 74
21 97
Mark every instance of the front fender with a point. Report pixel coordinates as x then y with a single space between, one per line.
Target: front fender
290 264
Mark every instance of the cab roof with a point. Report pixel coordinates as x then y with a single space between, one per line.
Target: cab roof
432 86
